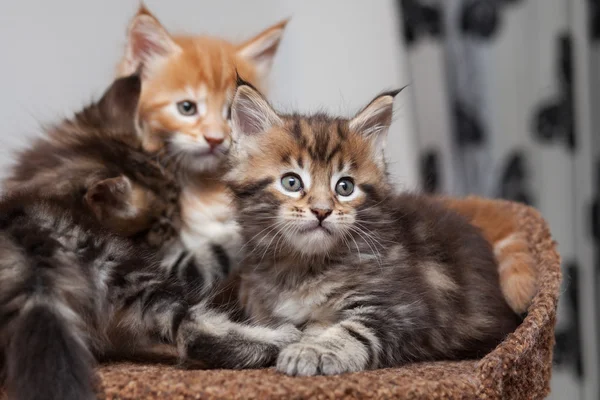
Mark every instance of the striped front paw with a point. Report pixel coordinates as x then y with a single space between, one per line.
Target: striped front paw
306 359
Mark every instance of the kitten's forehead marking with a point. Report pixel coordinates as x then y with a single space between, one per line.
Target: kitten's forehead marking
198 93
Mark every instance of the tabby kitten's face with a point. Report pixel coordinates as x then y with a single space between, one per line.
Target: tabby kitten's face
188 85
306 178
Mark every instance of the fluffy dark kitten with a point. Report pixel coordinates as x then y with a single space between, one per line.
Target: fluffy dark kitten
75 281
374 279
96 162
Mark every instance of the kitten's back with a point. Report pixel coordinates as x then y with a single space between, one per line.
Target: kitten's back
516 267
448 240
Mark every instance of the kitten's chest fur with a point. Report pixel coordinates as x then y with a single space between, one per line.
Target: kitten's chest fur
209 216
310 299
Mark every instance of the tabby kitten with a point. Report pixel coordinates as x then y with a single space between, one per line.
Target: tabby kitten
184 114
374 279
71 288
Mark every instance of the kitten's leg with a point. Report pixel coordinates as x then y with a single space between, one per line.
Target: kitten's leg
365 337
211 339
348 346
204 335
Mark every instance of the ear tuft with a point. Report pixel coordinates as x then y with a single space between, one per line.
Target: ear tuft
147 41
251 113
261 49
376 118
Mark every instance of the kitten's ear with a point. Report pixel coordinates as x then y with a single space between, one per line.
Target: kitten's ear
374 121
119 102
147 41
109 196
261 49
251 113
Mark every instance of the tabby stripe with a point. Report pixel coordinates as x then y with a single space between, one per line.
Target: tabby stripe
231 351
176 265
334 151
192 277
369 190
362 303
296 131
179 315
222 258
363 340
340 131
154 296
286 159
341 164
253 188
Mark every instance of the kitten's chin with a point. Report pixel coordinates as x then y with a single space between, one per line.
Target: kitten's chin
195 156
314 242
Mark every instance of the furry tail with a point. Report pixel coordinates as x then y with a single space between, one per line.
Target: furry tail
515 265
46 361
517 275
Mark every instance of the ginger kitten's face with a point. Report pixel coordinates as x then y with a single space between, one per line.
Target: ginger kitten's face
302 181
188 83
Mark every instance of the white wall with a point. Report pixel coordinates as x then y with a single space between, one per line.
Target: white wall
336 55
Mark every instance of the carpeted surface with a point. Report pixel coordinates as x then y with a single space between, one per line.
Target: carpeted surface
519 368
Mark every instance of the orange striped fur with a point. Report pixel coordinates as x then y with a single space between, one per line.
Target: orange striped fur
516 266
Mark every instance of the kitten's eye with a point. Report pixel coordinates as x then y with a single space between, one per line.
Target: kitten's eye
187 107
344 187
291 183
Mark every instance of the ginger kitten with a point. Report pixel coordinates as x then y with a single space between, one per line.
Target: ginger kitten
183 115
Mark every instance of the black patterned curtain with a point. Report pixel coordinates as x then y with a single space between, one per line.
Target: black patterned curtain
507 103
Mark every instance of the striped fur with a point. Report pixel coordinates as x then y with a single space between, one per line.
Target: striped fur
374 279
75 282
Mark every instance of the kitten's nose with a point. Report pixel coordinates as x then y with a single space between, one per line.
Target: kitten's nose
213 141
321 213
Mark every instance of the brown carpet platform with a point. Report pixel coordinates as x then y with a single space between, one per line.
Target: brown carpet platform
519 368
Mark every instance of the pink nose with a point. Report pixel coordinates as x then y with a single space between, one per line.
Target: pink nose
213 141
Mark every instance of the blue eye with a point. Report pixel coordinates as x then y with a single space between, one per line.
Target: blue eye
344 187
291 183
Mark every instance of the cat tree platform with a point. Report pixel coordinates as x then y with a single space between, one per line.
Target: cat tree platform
519 368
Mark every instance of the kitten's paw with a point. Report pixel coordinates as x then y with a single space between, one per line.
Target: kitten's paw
302 359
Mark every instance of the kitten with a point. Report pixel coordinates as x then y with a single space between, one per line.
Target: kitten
373 278
516 266
74 283
184 114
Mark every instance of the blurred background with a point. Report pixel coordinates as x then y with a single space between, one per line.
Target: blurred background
504 101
